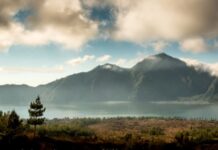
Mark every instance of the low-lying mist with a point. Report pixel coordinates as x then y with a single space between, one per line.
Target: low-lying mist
125 108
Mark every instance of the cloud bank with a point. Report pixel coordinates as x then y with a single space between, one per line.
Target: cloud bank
188 22
79 60
55 69
103 58
210 67
166 19
69 23
63 22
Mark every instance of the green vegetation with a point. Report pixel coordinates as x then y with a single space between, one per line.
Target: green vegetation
65 130
36 112
197 135
156 131
107 133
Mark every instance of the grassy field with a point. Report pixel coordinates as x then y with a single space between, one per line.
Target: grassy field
121 133
133 133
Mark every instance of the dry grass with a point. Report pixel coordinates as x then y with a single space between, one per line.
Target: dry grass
139 127
126 133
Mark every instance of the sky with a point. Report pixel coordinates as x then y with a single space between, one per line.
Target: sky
41 41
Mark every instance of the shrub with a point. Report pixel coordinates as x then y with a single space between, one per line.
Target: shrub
182 137
156 131
128 137
65 130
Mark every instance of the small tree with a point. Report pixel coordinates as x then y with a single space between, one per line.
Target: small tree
14 121
36 112
14 126
10 127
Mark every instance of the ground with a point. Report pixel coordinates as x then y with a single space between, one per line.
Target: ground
123 133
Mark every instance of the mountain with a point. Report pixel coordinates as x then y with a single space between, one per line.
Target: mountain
158 62
162 77
103 83
16 94
156 78
212 93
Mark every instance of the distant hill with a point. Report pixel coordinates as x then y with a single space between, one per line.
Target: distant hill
16 94
157 78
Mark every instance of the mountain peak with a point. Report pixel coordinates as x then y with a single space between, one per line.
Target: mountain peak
162 55
159 61
109 66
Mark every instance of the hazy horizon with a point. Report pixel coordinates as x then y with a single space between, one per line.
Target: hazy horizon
109 74
197 65
46 40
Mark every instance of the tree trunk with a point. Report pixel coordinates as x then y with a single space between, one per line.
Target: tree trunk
34 131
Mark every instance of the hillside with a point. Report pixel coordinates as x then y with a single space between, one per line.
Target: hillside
156 78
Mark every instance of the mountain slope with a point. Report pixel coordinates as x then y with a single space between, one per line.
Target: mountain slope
103 83
212 93
156 78
158 62
16 94
162 77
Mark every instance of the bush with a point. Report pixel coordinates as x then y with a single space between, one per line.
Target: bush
65 130
156 131
182 137
10 124
196 136
128 137
42 132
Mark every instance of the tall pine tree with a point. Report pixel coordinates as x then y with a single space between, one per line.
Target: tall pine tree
36 113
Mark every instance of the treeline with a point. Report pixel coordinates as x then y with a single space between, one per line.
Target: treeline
13 129
11 124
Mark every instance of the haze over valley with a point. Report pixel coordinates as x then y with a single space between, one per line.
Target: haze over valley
109 74
159 85
110 58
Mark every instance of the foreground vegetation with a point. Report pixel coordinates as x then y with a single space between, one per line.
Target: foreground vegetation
110 133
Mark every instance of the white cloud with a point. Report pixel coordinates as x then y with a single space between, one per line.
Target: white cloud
62 22
121 62
216 44
191 62
103 58
4 46
66 22
196 45
79 60
210 67
159 46
214 69
198 65
128 63
55 69
147 20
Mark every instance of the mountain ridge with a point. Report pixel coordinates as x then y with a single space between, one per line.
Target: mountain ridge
155 78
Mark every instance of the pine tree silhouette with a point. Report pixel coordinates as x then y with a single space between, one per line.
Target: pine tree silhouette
36 113
14 123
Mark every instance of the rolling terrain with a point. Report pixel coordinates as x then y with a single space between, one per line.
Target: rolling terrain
156 78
